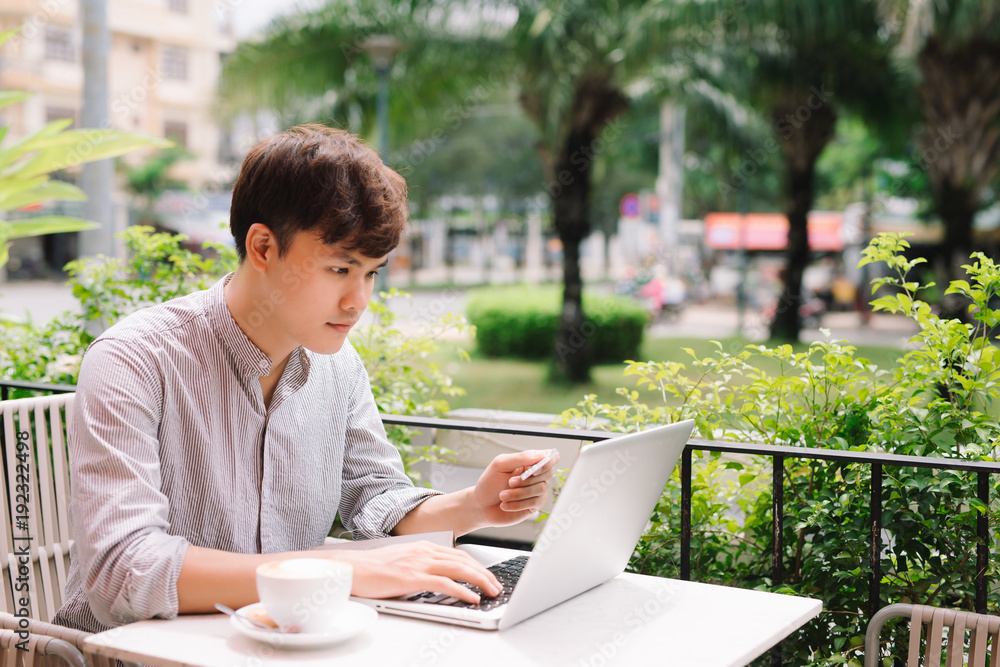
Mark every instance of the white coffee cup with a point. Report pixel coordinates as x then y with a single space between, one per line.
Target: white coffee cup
304 594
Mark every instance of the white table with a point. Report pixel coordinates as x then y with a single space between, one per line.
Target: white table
630 620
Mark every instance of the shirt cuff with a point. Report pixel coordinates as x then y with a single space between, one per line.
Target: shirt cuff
381 514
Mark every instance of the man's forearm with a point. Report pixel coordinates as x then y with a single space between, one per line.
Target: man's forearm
452 511
210 575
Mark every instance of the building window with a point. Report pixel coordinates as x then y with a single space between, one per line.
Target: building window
177 132
175 62
59 44
179 6
59 113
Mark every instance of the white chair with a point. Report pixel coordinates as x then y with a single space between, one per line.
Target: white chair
36 644
36 538
983 641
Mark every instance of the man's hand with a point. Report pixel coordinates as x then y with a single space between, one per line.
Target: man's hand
503 498
400 569
499 498
209 575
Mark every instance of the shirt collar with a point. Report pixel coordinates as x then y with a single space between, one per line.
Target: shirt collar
247 356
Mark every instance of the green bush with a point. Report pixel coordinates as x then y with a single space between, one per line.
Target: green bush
939 400
521 321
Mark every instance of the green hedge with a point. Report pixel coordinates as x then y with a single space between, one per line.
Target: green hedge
521 321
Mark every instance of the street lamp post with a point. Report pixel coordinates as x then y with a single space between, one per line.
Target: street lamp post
382 49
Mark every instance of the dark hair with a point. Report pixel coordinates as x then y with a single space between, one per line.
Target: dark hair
313 177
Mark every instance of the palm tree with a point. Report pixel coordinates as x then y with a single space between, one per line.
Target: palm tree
313 66
572 71
957 49
806 60
570 64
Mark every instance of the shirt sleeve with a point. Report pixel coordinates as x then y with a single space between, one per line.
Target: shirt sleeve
376 491
128 563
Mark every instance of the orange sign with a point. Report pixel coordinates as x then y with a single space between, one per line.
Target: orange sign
769 231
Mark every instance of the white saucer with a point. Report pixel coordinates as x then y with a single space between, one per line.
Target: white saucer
355 618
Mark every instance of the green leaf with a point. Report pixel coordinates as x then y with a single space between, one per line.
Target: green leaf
53 224
9 97
79 146
38 190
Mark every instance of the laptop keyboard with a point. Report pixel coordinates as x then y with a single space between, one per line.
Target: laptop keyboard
507 573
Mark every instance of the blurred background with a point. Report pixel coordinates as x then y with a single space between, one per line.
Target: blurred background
733 153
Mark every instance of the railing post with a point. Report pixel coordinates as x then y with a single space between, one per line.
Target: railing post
686 514
778 545
875 556
778 520
983 546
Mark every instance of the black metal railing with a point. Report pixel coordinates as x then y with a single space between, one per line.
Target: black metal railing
778 455
7 385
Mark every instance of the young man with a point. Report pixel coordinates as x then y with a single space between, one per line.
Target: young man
226 428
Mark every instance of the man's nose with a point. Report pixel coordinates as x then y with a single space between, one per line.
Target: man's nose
356 297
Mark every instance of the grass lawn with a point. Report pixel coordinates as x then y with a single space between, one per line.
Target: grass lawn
520 385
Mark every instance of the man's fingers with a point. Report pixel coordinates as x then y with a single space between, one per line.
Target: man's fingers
457 564
521 461
524 492
447 586
475 574
546 472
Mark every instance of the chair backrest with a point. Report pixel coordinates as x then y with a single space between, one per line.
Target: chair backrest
36 538
983 639
71 644
37 651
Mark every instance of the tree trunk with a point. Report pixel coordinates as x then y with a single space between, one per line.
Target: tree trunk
571 199
960 144
787 324
568 166
957 208
805 123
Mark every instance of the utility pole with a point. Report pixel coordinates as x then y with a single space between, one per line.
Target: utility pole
382 50
670 182
96 177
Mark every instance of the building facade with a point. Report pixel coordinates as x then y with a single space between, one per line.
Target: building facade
163 70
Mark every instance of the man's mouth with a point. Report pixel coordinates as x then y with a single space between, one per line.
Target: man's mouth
341 327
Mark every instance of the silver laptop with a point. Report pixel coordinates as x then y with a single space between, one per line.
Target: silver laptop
601 512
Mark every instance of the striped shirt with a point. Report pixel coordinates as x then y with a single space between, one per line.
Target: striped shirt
171 445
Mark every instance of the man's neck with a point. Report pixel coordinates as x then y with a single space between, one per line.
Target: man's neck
240 296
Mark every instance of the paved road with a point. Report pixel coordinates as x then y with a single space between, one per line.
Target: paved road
43 300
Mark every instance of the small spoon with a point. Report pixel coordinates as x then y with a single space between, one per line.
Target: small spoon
257 624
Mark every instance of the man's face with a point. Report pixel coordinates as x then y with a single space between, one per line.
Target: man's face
318 292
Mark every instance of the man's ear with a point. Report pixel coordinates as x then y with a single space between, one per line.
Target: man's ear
262 246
